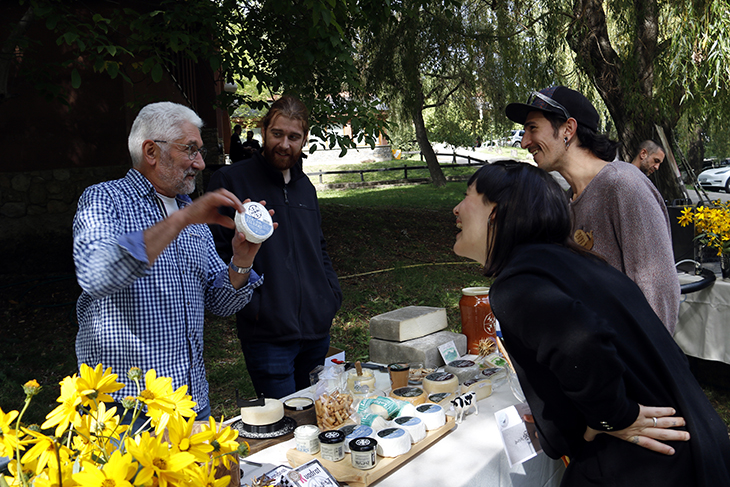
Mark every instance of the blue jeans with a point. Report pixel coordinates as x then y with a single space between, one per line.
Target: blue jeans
279 369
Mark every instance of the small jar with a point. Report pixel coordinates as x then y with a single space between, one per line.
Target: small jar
332 445
362 452
307 438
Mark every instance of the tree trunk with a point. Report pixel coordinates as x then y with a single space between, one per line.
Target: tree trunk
696 152
437 175
625 85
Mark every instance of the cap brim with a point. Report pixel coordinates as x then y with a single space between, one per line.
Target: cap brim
517 112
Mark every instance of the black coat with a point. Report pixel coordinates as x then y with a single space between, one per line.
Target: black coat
588 350
300 294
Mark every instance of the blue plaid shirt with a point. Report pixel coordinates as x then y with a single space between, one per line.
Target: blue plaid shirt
131 314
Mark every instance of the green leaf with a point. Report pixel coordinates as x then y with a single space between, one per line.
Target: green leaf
75 79
70 37
157 73
111 50
112 69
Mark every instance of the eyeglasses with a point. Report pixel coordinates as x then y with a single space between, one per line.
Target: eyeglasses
549 101
191 149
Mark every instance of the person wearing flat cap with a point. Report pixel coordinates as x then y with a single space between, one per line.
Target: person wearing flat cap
616 211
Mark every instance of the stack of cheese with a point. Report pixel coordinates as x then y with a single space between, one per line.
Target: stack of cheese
412 334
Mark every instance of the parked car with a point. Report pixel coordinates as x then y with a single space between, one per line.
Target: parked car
514 139
716 178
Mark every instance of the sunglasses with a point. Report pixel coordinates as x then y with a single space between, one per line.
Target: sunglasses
536 95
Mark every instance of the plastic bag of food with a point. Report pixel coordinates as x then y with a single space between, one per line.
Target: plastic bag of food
332 402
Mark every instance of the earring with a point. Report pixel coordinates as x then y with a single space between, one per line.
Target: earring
567 144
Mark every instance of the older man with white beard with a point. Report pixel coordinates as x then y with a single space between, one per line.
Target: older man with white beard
146 261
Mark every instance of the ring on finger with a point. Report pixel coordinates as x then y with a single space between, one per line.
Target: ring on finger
655 421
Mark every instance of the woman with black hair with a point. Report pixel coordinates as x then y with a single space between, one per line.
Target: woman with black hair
607 385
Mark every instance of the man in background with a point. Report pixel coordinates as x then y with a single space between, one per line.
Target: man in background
649 157
284 331
251 145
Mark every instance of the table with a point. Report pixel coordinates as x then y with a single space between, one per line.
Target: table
470 455
703 328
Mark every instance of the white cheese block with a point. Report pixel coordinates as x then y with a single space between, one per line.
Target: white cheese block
482 387
463 369
393 442
374 421
271 412
413 395
440 382
353 431
414 426
255 222
497 375
432 415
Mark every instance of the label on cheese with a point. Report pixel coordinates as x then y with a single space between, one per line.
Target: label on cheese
413 395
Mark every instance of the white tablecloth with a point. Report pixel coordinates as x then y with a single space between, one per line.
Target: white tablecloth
471 455
703 328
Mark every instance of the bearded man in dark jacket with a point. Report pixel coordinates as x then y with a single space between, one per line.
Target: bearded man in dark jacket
284 330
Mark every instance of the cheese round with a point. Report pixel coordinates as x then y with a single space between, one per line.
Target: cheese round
255 222
375 421
414 426
482 388
393 442
413 395
440 382
432 415
463 369
497 375
271 412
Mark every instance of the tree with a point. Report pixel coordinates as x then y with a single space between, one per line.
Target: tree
304 48
651 61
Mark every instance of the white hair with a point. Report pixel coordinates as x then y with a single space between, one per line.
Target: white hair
159 121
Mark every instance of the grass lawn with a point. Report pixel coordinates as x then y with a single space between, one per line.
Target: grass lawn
390 246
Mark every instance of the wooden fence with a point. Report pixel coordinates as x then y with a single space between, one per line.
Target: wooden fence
470 161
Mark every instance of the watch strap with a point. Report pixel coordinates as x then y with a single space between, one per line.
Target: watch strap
240 270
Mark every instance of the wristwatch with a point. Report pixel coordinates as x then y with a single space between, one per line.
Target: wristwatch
240 270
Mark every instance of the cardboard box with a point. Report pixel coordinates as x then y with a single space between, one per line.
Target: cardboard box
334 356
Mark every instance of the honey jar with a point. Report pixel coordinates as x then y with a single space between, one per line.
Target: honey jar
477 321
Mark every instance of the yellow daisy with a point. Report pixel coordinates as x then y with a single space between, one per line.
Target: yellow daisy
65 413
182 438
157 461
95 385
117 472
8 436
182 406
223 441
156 393
204 476
45 450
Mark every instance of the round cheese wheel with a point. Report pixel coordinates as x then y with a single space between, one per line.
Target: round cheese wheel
440 382
375 421
255 222
414 426
432 415
271 412
393 442
462 369
413 395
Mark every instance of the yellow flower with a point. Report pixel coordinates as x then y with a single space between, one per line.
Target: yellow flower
8 436
65 413
95 385
156 393
182 406
182 439
97 428
157 461
50 477
117 472
46 450
223 441
31 388
204 476
686 217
